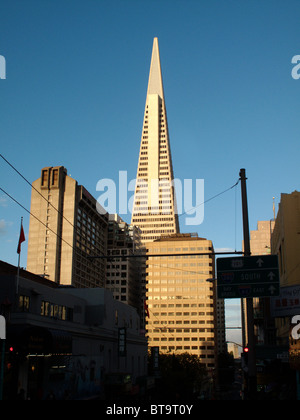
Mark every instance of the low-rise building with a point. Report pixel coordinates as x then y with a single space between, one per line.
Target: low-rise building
67 341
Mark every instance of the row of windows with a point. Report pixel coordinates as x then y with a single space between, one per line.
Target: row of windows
143 172
187 348
183 249
179 271
186 339
117 266
48 309
179 257
180 331
162 136
165 322
139 205
118 252
53 310
122 298
152 219
180 305
141 197
198 292
161 129
157 231
170 280
178 297
122 290
160 314
113 282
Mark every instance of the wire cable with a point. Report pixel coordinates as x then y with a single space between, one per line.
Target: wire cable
26 180
29 212
211 198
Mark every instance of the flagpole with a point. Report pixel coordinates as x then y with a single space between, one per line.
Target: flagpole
19 257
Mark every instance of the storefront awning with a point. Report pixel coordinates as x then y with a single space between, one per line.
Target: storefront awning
39 340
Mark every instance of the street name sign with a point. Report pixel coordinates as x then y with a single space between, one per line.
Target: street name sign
247 277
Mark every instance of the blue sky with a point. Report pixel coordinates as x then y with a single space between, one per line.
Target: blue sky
75 90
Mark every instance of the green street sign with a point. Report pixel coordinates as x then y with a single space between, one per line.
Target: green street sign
242 277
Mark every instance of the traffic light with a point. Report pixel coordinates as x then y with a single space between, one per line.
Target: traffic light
244 357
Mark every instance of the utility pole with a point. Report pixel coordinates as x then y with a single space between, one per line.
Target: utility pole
249 301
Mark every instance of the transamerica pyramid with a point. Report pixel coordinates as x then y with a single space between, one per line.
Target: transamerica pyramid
154 208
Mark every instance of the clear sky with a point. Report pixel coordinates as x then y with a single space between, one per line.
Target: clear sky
75 91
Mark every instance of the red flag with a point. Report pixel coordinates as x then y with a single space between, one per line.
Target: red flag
21 239
146 309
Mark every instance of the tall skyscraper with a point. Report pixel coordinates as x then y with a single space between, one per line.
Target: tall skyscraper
65 230
154 209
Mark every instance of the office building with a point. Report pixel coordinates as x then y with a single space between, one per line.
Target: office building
285 242
260 244
260 239
67 341
154 209
181 296
286 238
124 271
65 230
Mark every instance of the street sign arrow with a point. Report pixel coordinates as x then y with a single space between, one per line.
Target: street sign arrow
271 275
260 262
255 276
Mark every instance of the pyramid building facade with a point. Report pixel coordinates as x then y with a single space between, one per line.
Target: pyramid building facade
154 208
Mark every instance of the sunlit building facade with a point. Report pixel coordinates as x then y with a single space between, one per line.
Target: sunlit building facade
285 242
65 230
154 209
181 296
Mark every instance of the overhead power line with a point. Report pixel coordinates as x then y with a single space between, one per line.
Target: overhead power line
144 255
110 256
211 198
29 212
29 183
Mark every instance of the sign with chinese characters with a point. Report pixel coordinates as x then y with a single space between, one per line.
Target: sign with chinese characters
122 341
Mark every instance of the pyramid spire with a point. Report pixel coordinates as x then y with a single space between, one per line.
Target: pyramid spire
154 209
155 84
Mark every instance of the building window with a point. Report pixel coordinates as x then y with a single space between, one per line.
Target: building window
44 178
45 311
24 303
55 177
